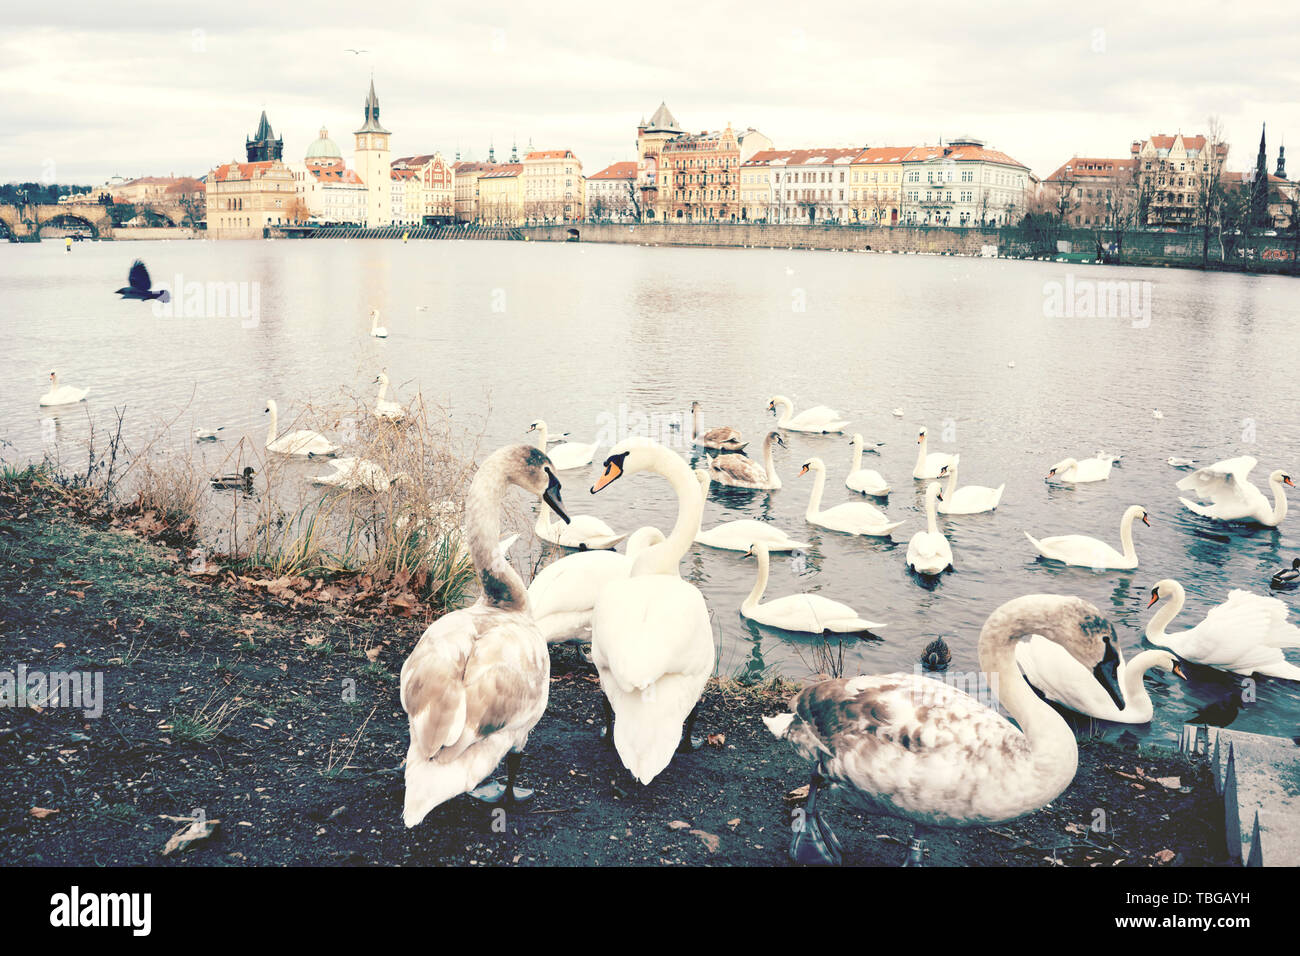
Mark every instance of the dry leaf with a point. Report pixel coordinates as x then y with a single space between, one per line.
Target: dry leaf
196 830
40 813
1164 856
797 795
716 740
678 825
709 840
373 653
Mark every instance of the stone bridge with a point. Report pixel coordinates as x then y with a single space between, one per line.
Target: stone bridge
24 223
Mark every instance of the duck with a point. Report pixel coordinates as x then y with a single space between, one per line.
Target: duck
919 749
1174 461
208 434
898 413
928 465
63 394
376 330
1231 494
1080 472
807 613
1157 413
384 409
738 535
1243 635
351 473
242 479
580 532
566 456
852 517
563 593
302 443
740 471
929 552
1061 678
936 656
865 481
651 635
819 418
1287 577
970 500
1082 551
477 681
721 438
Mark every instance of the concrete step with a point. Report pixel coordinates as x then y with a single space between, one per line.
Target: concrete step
1259 778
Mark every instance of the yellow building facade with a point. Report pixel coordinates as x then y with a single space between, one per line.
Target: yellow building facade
501 196
875 185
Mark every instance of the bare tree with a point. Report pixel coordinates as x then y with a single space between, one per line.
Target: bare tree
1209 185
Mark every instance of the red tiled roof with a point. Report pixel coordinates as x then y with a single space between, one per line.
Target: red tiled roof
549 154
246 170
882 154
626 170
468 166
335 175
504 171
405 174
1083 167
961 154
803 157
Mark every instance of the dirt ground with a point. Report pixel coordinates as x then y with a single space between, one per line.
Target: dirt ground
281 720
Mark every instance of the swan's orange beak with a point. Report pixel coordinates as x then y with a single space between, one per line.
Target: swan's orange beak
918 439
1178 669
1155 596
1145 521
612 472
803 471
1287 479
1050 474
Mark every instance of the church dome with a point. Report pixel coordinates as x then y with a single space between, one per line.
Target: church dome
323 147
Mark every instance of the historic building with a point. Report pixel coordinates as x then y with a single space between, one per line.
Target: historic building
700 177
244 198
650 139
465 186
876 185
501 195
263 145
405 195
1091 191
373 163
797 185
552 186
1171 171
329 191
612 195
963 183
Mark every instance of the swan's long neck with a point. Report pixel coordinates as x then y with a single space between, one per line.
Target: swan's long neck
271 433
1134 690
786 413
695 422
1126 535
1279 503
760 582
857 456
502 586
769 463
542 436
664 558
815 500
383 389
920 453
543 526
931 513
1168 611
952 478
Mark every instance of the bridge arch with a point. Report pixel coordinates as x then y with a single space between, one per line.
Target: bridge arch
67 220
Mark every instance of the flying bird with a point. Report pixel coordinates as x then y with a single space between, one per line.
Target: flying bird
358 52
140 285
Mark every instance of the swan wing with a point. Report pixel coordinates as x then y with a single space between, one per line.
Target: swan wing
737 468
1079 549
867 481
928 546
1226 484
716 436
650 626
573 583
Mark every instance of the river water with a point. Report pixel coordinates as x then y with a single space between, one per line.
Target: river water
588 335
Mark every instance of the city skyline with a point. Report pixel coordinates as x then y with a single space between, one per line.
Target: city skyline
155 90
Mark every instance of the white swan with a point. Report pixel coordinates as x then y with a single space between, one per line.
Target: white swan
739 471
651 637
377 330
810 613
721 438
1176 461
738 535
478 679
819 418
1233 498
1085 552
353 473
864 480
580 532
566 456
208 434
916 748
304 443
564 592
929 551
970 500
390 411
63 394
1061 678
928 464
1078 472
1243 635
852 517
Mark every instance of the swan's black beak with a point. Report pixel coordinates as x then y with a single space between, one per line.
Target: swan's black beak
552 496
1107 674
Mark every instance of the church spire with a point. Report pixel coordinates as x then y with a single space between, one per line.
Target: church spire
372 124
1281 162
1259 215
492 152
263 145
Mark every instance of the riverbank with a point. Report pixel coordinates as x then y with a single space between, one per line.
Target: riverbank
276 713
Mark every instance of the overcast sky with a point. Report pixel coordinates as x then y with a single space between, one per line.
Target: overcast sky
90 89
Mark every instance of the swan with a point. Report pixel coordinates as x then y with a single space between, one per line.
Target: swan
1287 578
1157 413
810 613
1051 669
738 535
564 592
970 500
917 748
1177 462
477 680
1111 457
580 532
242 479
63 394
208 434
352 473
852 517
819 418
391 411
721 438
1243 635
739 471
929 551
1085 552
864 480
302 442
567 456
377 330
1078 472
651 637
898 413
928 465
1233 498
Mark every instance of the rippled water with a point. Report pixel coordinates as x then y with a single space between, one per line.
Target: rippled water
579 334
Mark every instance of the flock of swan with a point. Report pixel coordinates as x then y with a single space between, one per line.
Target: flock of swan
900 744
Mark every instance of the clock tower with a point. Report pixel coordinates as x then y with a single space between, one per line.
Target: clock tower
374 165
